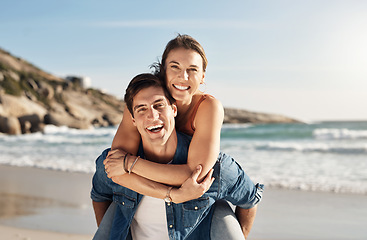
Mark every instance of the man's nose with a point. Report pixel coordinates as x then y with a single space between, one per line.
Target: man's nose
153 113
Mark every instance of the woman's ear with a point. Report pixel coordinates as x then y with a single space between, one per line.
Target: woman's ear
203 79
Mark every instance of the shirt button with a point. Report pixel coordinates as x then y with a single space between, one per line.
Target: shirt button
196 208
169 204
123 203
171 226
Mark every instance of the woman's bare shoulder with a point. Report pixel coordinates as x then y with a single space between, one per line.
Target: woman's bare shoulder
211 104
210 108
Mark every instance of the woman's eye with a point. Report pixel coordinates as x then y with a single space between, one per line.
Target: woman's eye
174 67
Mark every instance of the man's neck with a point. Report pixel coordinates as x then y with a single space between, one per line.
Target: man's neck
161 152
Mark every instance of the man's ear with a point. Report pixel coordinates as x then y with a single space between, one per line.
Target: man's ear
133 120
174 107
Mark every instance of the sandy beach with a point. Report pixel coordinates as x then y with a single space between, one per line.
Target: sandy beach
47 204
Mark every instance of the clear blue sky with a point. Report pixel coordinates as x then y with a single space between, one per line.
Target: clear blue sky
304 59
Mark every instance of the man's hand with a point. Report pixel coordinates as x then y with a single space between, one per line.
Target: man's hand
114 163
190 189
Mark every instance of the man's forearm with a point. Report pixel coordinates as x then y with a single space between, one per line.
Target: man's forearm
100 209
246 219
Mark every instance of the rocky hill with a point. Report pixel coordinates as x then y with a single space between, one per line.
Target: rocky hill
31 98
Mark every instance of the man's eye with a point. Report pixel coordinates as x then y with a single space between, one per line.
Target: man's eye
159 105
193 70
140 110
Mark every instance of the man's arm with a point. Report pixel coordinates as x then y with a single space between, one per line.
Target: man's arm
246 219
100 209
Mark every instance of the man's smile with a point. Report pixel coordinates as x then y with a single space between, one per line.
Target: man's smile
155 128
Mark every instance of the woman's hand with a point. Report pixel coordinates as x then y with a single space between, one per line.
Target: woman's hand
191 189
114 163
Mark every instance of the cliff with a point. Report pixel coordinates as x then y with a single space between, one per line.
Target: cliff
232 115
31 98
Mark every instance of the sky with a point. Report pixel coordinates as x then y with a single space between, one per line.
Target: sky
303 59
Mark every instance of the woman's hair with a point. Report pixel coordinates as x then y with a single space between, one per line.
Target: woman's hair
141 82
181 41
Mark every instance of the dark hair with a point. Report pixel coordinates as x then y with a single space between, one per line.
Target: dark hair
141 82
181 41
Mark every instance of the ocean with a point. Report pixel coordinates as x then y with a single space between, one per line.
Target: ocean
320 156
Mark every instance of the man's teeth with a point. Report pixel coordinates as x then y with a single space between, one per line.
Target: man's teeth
181 87
155 127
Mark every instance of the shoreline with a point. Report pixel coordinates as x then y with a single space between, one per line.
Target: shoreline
56 204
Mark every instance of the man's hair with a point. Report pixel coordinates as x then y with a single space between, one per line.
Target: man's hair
141 82
181 41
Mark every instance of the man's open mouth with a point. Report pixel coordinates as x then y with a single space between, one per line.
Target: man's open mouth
155 128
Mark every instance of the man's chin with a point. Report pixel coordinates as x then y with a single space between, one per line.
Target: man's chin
156 136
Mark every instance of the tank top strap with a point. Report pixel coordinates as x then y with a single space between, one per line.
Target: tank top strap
189 128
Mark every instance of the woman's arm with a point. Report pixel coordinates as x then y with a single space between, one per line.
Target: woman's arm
189 190
203 150
205 143
127 137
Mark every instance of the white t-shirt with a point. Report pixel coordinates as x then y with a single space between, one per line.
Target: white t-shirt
150 221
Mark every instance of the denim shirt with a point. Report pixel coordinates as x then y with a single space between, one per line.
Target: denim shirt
188 220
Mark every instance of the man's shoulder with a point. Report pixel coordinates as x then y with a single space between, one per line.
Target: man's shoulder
183 144
183 138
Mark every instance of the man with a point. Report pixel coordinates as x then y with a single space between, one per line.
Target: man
146 217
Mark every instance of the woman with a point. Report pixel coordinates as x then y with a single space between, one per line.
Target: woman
199 115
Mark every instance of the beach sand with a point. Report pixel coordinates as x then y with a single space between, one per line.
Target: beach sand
47 204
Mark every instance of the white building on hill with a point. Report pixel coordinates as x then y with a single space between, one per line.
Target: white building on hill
82 81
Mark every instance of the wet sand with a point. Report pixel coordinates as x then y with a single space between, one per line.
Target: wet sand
47 204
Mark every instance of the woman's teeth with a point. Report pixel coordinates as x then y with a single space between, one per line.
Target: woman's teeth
181 87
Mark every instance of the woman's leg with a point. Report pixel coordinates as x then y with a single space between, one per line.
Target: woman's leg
224 223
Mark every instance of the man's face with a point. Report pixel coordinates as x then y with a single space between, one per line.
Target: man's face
154 117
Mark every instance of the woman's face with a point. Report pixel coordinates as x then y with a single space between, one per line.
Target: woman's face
184 73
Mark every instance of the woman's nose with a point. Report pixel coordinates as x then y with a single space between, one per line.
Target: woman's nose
184 75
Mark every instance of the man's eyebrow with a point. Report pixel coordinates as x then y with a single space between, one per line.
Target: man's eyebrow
159 100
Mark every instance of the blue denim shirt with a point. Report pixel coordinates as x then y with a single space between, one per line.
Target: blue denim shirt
188 220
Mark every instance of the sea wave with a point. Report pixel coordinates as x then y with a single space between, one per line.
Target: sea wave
314 147
320 157
356 187
337 133
64 135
